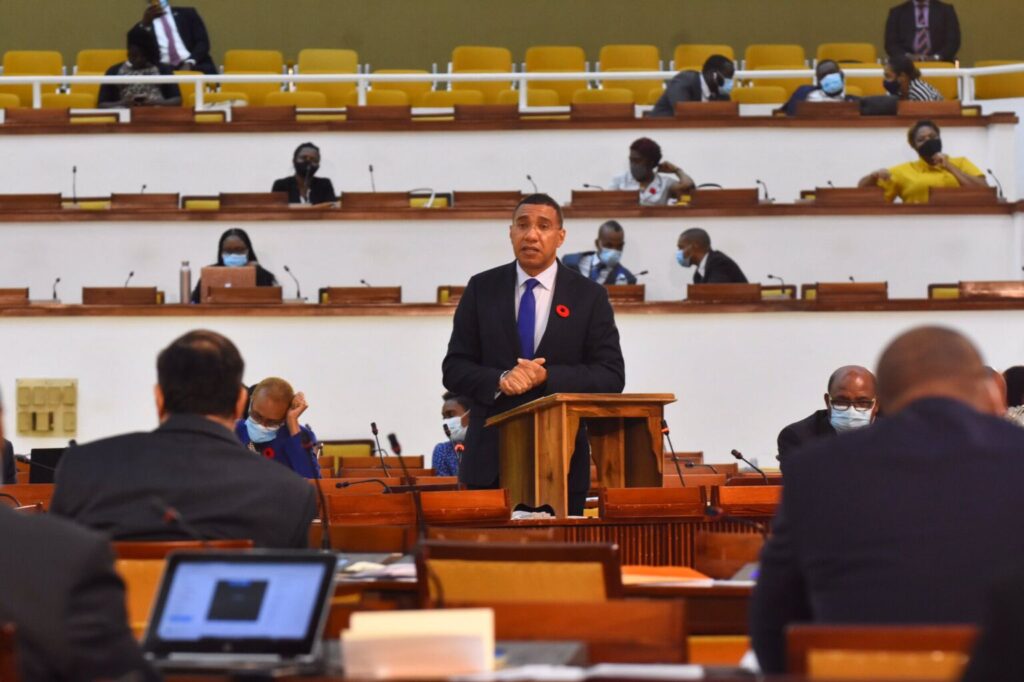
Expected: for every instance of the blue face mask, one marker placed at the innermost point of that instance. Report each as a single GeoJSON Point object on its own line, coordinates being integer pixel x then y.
{"type": "Point", "coordinates": [258, 433]}
{"type": "Point", "coordinates": [610, 257]}
{"type": "Point", "coordinates": [832, 84]}
{"type": "Point", "coordinates": [726, 87]}
{"type": "Point", "coordinates": [683, 259]}
{"type": "Point", "coordinates": [235, 260]}
{"type": "Point", "coordinates": [849, 420]}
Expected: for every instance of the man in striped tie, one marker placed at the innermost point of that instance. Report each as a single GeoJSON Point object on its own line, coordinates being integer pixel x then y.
{"type": "Point", "coordinates": [181, 34]}
{"type": "Point", "coordinates": [924, 30]}
{"type": "Point", "coordinates": [527, 329]}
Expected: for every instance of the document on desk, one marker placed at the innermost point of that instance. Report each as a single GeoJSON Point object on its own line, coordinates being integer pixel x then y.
{"type": "Point", "coordinates": [664, 575]}
{"type": "Point", "coordinates": [631, 671]}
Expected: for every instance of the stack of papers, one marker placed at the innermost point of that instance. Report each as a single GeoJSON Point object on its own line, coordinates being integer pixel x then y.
{"type": "Point", "coordinates": [664, 575]}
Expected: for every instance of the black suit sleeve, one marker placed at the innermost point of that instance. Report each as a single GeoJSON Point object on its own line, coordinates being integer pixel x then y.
{"type": "Point", "coordinates": [96, 624]}
{"type": "Point", "coordinates": [996, 656]}
{"type": "Point", "coordinates": [300, 538]}
{"type": "Point", "coordinates": [603, 369]}
{"type": "Point", "coordinates": [323, 191]}
{"type": "Point", "coordinates": [951, 39]}
{"type": "Point", "coordinates": [10, 469]}
{"type": "Point", "coordinates": [461, 369]}
{"type": "Point", "coordinates": [788, 441]}
{"type": "Point", "coordinates": [894, 46]}
{"type": "Point", "coordinates": [200, 47]}
{"type": "Point", "coordinates": [280, 185]}
{"type": "Point", "coordinates": [780, 597]}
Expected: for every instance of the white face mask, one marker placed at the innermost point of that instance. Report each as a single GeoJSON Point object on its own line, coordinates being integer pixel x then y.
{"type": "Point", "coordinates": [849, 419]}
{"type": "Point", "coordinates": [455, 428]}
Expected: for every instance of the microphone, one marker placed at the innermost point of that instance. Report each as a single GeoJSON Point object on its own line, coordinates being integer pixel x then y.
{"type": "Point", "coordinates": [767, 197]}
{"type": "Point", "coordinates": [17, 502]}
{"type": "Point", "coordinates": [675, 460]}
{"type": "Point", "coordinates": [74, 184]}
{"type": "Point", "coordinates": [55, 283]}
{"type": "Point", "coordinates": [782, 282]}
{"type": "Point", "coordinates": [314, 450]}
{"type": "Point", "coordinates": [1002, 195]}
{"type": "Point", "coordinates": [718, 514]}
{"type": "Point", "coordinates": [641, 273]}
{"type": "Point", "coordinates": [298, 290]}
{"type": "Point", "coordinates": [143, 190]}
{"type": "Point", "coordinates": [530, 178]}
{"type": "Point", "coordinates": [691, 465]}
{"type": "Point", "coordinates": [373, 185]}
{"type": "Point", "coordinates": [172, 517]}
{"type": "Point", "coordinates": [367, 284]}
{"type": "Point", "coordinates": [308, 192]}
{"type": "Point", "coordinates": [830, 184]}
{"type": "Point", "coordinates": [347, 484]}
{"type": "Point", "coordinates": [130, 275]}
{"type": "Point", "coordinates": [421, 519]}
{"type": "Point", "coordinates": [739, 455]}
{"type": "Point", "coordinates": [28, 460]}
{"type": "Point", "coordinates": [851, 279]}
{"type": "Point", "coordinates": [380, 451]}
{"type": "Point", "coordinates": [586, 186]}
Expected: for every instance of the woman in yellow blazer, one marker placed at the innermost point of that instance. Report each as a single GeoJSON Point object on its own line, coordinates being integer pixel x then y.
{"type": "Point", "coordinates": [913, 181]}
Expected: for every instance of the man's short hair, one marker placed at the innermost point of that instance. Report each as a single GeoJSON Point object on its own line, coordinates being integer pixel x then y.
{"type": "Point", "coordinates": [925, 356]}
{"type": "Point", "coordinates": [200, 373]}
{"type": "Point", "coordinates": [698, 236]}
{"type": "Point", "coordinates": [902, 65]}
{"type": "Point", "coordinates": [612, 225]}
{"type": "Point", "coordinates": [460, 399]}
{"type": "Point", "coordinates": [276, 389]}
{"type": "Point", "coordinates": [647, 148]}
{"type": "Point", "coordinates": [825, 67]}
{"type": "Point", "coordinates": [720, 64]}
{"type": "Point", "coordinates": [541, 199]}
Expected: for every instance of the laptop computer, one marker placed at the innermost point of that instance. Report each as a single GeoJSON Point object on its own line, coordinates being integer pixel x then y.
{"type": "Point", "coordinates": [220, 276]}
{"type": "Point", "coordinates": [255, 612]}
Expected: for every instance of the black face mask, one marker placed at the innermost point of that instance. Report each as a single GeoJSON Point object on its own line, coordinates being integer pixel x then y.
{"type": "Point", "coordinates": [892, 87]}
{"type": "Point", "coordinates": [930, 148]}
{"type": "Point", "coordinates": [306, 169]}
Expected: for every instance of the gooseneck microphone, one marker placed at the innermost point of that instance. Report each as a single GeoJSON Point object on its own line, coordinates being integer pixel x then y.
{"type": "Point", "coordinates": [130, 275]}
{"type": "Point", "coordinates": [718, 514]}
{"type": "Point", "coordinates": [767, 197]}
{"type": "Point", "coordinates": [421, 519]}
{"type": "Point", "coordinates": [298, 289]}
{"type": "Point", "coordinates": [641, 273]}
{"type": "Point", "coordinates": [74, 184]}
{"type": "Point", "coordinates": [999, 185]}
{"type": "Point", "coordinates": [308, 191]}
{"type": "Point", "coordinates": [173, 518]}
{"type": "Point", "coordinates": [143, 190]}
{"type": "Point", "coordinates": [373, 184]}
{"type": "Point", "coordinates": [530, 178]}
{"type": "Point", "coordinates": [829, 182]}
{"type": "Point", "coordinates": [739, 455]}
{"type": "Point", "coordinates": [380, 451]}
{"type": "Point", "coordinates": [55, 283]}
{"type": "Point", "coordinates": [366, 284]}
{"type": "Point", "coordinates": [665, 431]}
{"type": "Point", "coordinates": [589, 186]}
{"type": "Point", "coordinates": [852, 279]}
{"type": "Point", "coordinates": [691, 465]}
{"type": "Point", "coordinates": [349, 484]}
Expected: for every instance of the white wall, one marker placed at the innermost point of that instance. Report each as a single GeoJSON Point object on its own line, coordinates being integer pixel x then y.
{"type": "Point", "coordinates": [739, 377]}
{"type": "Point", "coordinates": [787, 159]}
{"type": "Point", "coordinates": [909, 251]}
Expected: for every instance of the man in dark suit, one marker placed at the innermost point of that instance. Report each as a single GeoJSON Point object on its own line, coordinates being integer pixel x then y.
{"type": "Point", "coordinates": [525, 330]}
{"type": "Point", "coordinates": [65, 601]}
{"type": "Point", "coordinates": [9, 472]}
{"type": "Point", "coordinates": [192, 463]}
{"type": "Point", "coordinates": [850, 403]}
{"type": "Point", "coordinates": [996, 656]}
{"type": "Point", "coordinates": [184, 42]}
{"type": "Point", "coordinates": [604, 265]}
{"type": "Point", "coordinates": [924, 30]}
{"type": "Point", "coordinates": [877, 527]}
{"type": "Point", "coordinates": [713, 267]}
{"type": "Point", "coordinates": [712, 83]}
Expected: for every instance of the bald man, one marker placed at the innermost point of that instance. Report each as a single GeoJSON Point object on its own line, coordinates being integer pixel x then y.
{"type": "Point", "coordinates": [272, 428]}
{"type": "Point", "coordinates": [904, 522]}
{"type": "Point", "coordinates": [850, 404]}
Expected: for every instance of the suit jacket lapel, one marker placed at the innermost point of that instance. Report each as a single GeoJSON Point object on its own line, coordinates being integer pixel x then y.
{"type": "Point", "coordinates": [507, 308]}
{"type": "Point", "coordinates": [565, 295]}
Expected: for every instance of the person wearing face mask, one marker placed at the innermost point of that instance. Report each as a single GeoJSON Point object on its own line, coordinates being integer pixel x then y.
{"type": "Point", "coordinates": [713, 267]}
{"type": "Point", "coordinates": [713, 83]}
{"type": "Point", "coordinates": [303, 187]}
{"type": "Point", "coordinates": [850, 404]}
{"type": "Point", "coordinates": [447, 454]}
{"type": "Point", "coordinates": [235, 250]}
{"type": "Point", "coordinates": [655, 180]}
{"type": "Point", "coordinates": [143, 60]}
{"type": "Point", "coordinates": [913, 181]}
{"type": "Point", "coordinates": [603, 265]}
{"type": "Point", "coordinates": [902, 79]}
{"type": "Point", "coordinates": [831, 87]}
{"type": "Point", "coordinates": [272, 429]}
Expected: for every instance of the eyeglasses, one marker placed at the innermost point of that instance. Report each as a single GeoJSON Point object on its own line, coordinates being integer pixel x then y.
{"type": "Point", "coordinates": [840, 405]}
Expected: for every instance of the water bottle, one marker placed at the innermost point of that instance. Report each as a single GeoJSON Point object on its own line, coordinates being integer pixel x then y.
{"type": "Point", "coordinates": [185, 282]}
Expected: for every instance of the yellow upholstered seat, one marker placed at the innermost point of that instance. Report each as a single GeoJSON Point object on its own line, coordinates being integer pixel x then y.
{"type": "Point", "coordinates": [254, 62]}
{"type": "Point", "coordinates": [759, 94]}
{"type": "Point", "coordinates": [555, 58]}
{"type": "Point", "coordinates": [869, 85]}
{"type": "Point", "coordinates": [141, 580]}
{"type": "Point", "coordinates": [305, 100]}
{"type": "Point", "coordinates": [380, 98]}
{"type": "Point", "coordinates": [848, 52]}
{"type": "Point", "coordinates": [946, 85]}
{"type": "Point", "coordinates": [30, 63]}
{"type": "Point", "coordinates": [762, 55]}
{"type": "Point", "coordinates": [535, 97]}
{"type": "Point", "coordinates": [482, 59]}
{"type": "Point", "coordinates": [449, 98]}
{"type": "Point", "coordinates": [313, 61]}
{"type": "Point", "coordinates": [687, 57]}
{"type": "Point", "coordinates": [604, 96]}
{"type": "Point", "coordinates": [789, 85]}
{"type": "Point", "coordinates": [77, 100]}
{"type": "Point", "coordinates": [95, 62]}
{"type": "Point", "coordinates": [9, 101]}
{"type": "Point", "coordinates": [1002, 86]}
{"type": "Point", "coordinates": [617, 58]}
{"type": "Point", "coordinates": [414, 90]}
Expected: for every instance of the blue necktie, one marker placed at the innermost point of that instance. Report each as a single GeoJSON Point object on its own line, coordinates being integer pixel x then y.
{"type": "Point", "coordinates": [527, 321]}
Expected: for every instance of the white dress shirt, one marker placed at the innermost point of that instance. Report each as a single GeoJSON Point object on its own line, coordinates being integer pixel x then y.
{"type": "Point", "coordinates": [163, 40]}
{"type": "Point", "coordinates": [703, 266]}
{"type": "Point", "coordinates": [655, 194]}
{"type": "Point", "coordinates": [542, 294]}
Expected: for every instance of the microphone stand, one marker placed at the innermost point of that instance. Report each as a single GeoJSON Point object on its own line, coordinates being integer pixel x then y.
{"type": "Point", "coordinates": [349, 484]}
{"type": "Point", "coordinates": [691, 465]}
{"type": "Point", "coordinates": [675, 460]}
{"type": "Point", "coordinates": [325, 514]}
{"type": "Point", "coordinates": [380, 450]}
{"type": "Point", "coordinates": [739, 455]}
{"type": "Point", "coordinates": [421, 519]}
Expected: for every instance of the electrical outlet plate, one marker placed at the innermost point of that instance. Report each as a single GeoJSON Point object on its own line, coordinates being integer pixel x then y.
{"type": "Point", "coordinates": [47, 408]}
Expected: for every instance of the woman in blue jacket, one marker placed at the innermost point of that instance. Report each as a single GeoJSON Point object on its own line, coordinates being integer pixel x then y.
{"type": "Point", "coordinates": [272, 429]}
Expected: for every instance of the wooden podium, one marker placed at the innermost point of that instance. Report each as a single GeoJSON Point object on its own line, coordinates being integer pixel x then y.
{"type": "Point", "coordinates": [537, 439]}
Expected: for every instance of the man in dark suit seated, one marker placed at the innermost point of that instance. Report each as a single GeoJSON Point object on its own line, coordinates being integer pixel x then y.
{"type": "Point", "coordinates": [905, 521]}
{"type": "Point", "coordinates": [996, 656]}
{"type": "Point", "coordinates": [850, 403]}
{"type": "Point", "coordinates": [192, 463]}
{"type": "Point", "coordinates": [65, 601]}
{"type": "Point", "coordinates": [181, 35]}
{"type": "Point", "coordinates": [924, 30]}
{"type": "Point", "coordinates": [528, 329]}
{"type": "Point", "coordinates": [713, 267]}
{"type": "Point", "coordinates": [603, 266]}
{"type": "Point", "coordinates": [713, 83]}
{"type": "Point", "coordinates": [831, 87]}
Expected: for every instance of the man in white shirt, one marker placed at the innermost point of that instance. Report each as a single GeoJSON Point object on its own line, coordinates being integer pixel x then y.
{"type": "Point", "coordinates": [181, 35]}
{"type": "Point", "coordinates": [655, 180]}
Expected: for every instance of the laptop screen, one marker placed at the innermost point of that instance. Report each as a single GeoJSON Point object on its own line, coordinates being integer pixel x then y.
{"type": "Point", "coordinates": [258, 602]}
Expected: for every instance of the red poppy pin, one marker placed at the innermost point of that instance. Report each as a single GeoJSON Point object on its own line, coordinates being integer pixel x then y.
{"type": "Point", "coordinates": [562, 311]}
{"type": "Point", "coordinates": [268, 453]}
{"type": "Point", "coordinates": [653, 191]}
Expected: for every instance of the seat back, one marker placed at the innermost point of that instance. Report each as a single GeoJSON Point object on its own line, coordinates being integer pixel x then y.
{"type": "Point", "coordinates": [765, 54]}
{"type": "Point", "coordinates": [70, 100]}
{"type": "Point", "coordinates": [95, 63]}
{"type": "Point", "coordinates": [617, 58]}
{"type": "Point", "coordinates": [306, 99]}
{"type": "Point", "coordinates": [692, 56]}
{"type": "Point", "coordinates": [141, 580]}
{"type": "Point", "coordinates": [848, 52]}
{"type": "Point", "coordinates": [474, 573]}
{"type": "Point", "coordinates": [449, 98]}
{"type": "Point", "coordinates": [254, 62]}
{"type": "Point", "coordinates": [554, 58]}
{"type": "Point", "coordinates": [759, 94]}
{"type": "Point", "coordinates": [414, 90]}
{"type": "Point", "coordinates": [869, 85]}
{"type": "Point", "coordinates": [479, 59]}
{"type": "Point", "coordinates": [9, 101]}
{"type": "Point", "coordinates": [610, 95]}
{"type": "Point", "coordinates": [948, 86]}
{"type": "Point", "coordinates": [824, 652]}
{"type": "Point", "coordinates": [1003, 86]}
{"type": "Point", "coordinates": [31, 63]}
{"type": "Point", "coordinates": [313, 61]}
{"type": "Point", "coordinates": [789, 85]}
